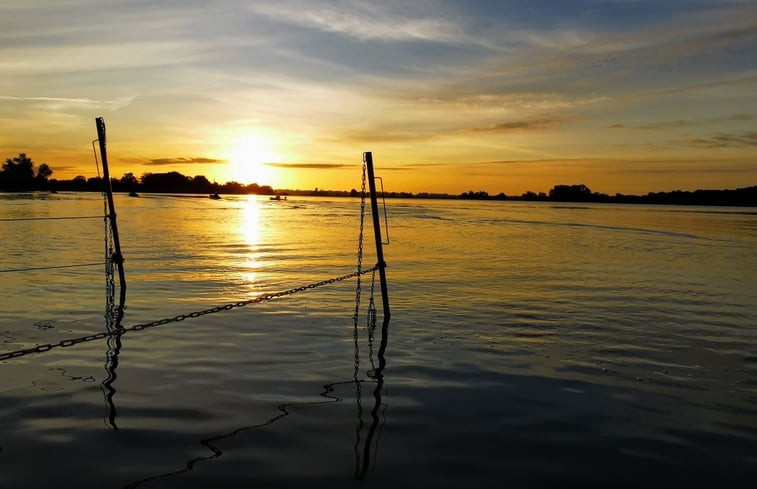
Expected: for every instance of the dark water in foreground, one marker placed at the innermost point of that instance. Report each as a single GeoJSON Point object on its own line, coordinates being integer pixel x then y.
{"type": "Point", "coordinates": [529, 345]}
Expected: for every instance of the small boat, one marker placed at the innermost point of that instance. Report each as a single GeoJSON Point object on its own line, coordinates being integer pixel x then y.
{"type": "Point", "coordinates": [133, 194]}
{"type": "Point", "coordinates": [214, 196]}
{"type": "Point", "coordinates": [278, 197]}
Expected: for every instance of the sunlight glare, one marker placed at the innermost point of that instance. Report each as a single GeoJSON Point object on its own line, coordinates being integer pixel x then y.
{"type": "Point", "coordinates": [247, 157]}
{"type": "Point", "coordinates": [251, 223]}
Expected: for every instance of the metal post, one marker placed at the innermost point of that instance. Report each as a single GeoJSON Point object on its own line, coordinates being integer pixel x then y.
{"type": "Point", "coordinates": [117, 257]}
{"type": "Point", "coordinates": [377, 234]}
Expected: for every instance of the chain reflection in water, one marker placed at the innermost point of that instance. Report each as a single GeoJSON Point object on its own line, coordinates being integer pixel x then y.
{"type": "Point", "coordinates": [362, 459]}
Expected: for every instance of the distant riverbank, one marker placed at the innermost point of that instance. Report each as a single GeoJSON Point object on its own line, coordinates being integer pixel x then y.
{"type": "Point", "coordinates": [741, 197]}
{"type": "Point", "coordinates": [19, 175]}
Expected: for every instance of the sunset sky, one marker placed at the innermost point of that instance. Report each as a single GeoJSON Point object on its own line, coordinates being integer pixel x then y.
{"type": "Point", "coordinates": [506, 96]}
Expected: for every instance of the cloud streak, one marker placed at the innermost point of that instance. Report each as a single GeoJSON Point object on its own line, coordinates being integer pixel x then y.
{"type": "Point", "coordinates": [309, 166]}
{"type": "Point", "coordinates": [183, 161]}
{"type": "Point", "coordinates": [362, 20]}
{"type": "Point", "coordinates": [530, 125]}
{"type": "Point", "coordinates": [653, 125]}
{"type": "Point", "coordinates": [82, 101]}
{"type": "Point", "coordinates": [747, 139]}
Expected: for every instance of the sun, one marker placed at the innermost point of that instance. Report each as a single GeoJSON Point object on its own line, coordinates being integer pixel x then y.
{"type": "Point", "coordinates": [247, 157]}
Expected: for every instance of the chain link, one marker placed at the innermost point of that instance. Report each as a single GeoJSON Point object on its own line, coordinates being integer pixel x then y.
{"type": "Point", "coordinates": [181, 317]}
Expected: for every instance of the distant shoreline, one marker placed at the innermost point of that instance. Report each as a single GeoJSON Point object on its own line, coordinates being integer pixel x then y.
{"type": "Point", "coordinates": [741, 197]}
{"type": "Point", "coordinates": [18, 175]}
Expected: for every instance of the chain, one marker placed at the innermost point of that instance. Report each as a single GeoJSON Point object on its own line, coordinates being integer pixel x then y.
{"type": "Point", "coordinates": [360, 241]}
{"type": "Point", "coordinates": [371, 319]}
{"type": "Point", "coordinates": [110, 282]}
{"type": "Point", "coordinates": [359, 270]}
{"type": "Point", "coordinates": [180, 317]}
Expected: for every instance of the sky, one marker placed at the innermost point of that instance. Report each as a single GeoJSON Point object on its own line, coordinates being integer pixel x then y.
{"type": "Point", "coordinates": [624, 96]}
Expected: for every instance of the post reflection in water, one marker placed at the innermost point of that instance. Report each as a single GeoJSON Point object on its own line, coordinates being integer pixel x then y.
{"type": "Point", "coordinates": [113, 316]}
{"type": "Point", "coordinates": [361, 467]}
{"type": "Point", "coordinates": [114, 312]}
{"type": "Point", "coordinates": [111, 365]}
{"type": "Point", "coordinates": [362, 453]}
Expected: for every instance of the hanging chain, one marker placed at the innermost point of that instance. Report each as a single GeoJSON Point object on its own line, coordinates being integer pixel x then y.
{"type": "Point", "coordinates": [371, 319]}
{"type": "Point", "coordinates": [110, 271]}
{"type": "Point", "coordinates": [359, 271]}
{"type": "Point", "coordinates": [360, 241]}
{"type": "Point", "coordinates": [112, 309]}
{"type": "Point", "coordinates": [355, 338]}
{"type": "Point", "coordinates": [180, 317]}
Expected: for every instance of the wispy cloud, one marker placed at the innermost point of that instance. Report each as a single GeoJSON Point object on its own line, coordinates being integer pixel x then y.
{"type": "Point", "coordinates": [382, 134]}
{"type": "Point", "coordinates": [724, 141]}
{"type": "Point", "coordinates": [311, 166]}
{"type": "Point", "coordinates": [183, 161]}
{"type": "Point", "coordinates": [652, 125]}
{"type": "Point", "coordinates": [83, 101]}
{"type": "Point", "coordinates": [528, 125]}
{"type": "Point", "coordinates": [93, 57]}
{"type": "Point", "coordinates": [64, 168]}
{"type": "Point", "coordinates": [363, 20]}
{"type": "Point", "coordinates": [507, 100]}
{"type": "Point", "coordinates": [747, 81]}
{"type": "Point", "coordinates": [629, 55]}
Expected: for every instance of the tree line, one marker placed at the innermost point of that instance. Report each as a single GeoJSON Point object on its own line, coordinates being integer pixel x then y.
{"type": "Point", "coordinates": [746, 196]}
{"type": "Point", "coordinates": [19, 174]}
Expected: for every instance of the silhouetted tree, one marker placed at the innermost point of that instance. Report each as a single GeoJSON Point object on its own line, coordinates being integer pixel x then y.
{"type": "Point", "coordinates": [200, 184]}
{"type": "Point", "coordinates": [95, 183]}
{"type": "Point", "coordinates": [474, 195]}
{"type": "Point", "coordinates": [44, 171]}
{"type": "Point", "coordinates": [79, 182]}
{"type": "Point", "coordinates": [129, 180]}
{"type": "Point", "coordinates": [232, 188]}
{"type": "Point", "coordinates": [570, 193]}
{"type": "Point", "coordinates": [17, 173]}
{"type": "Point", "coordinates": [165, 182]}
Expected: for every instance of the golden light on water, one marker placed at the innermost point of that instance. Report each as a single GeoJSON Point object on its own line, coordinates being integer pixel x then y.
{"type": "Point", "coordinates": [250, 234]}
{"type": "Point", "coordinates": [251, 222]}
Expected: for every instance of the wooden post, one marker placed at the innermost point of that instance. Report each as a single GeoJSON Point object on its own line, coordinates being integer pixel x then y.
{"type": "Point", "coordinates": [377, 234]}
{"type": "Point", "coordinates": [117, 257]}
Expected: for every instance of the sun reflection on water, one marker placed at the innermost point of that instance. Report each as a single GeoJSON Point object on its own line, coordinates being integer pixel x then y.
{"type": "Point", "coordinates": [250, 232]}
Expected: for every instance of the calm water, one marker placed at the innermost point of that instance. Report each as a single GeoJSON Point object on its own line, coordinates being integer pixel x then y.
{"type": "Point", "coordinates": [530, 345]}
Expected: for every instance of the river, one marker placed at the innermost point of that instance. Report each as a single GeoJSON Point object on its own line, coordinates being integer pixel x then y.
{"type": "Point", "coordinates": [530, 344]}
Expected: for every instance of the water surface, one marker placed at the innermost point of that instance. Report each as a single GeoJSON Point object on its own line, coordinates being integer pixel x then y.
{"type": "Point", "coordinates": [530, 344]}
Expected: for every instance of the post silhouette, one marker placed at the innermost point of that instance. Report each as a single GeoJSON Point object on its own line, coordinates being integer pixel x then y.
{"type": "Point", "coordinates": [377, 234]}
{"type": "Point", "coordinates": [117, 257]}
